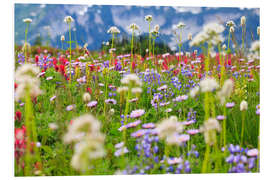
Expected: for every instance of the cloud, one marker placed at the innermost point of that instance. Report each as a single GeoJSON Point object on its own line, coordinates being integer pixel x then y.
{"type": "Point", "coordinates": [193, 10]}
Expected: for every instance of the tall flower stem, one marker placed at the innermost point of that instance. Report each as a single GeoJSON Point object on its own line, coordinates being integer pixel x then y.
{"type": "Point", "coordinates": [243, 38]}
{"type": "Point", "coordinates": [180, 45]}
{"type": "Point", "coordinates": [69, 53]}
{"type": "Point", "coordinates": [25, 42]}
{"type": "Point", "coordinates": [206, 159]}
{"type": "Point", "coordinates": [111, 53]}
{"type": "Point", "coordinates": [243, 126]}
{"type": "Point", "coordinates": [126, 111]}
{"type": "Point", "coordinates": [132, 58]}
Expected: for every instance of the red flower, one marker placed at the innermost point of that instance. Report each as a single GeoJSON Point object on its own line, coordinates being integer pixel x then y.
{"type": "Point", "coordinates": [15, 85]}
{"type": "Point", "coordinates": [89, 90]}
{"type": "Point", "coordinates": [18, 116]}
{"type": "Point", "coordinates": [36, 58]}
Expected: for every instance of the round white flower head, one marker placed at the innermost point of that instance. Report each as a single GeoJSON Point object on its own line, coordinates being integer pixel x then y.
{"type": "Point", "coordinates": [122, 89]}
{"type": "Point", "coordinates": [131, 78]}
{"type": "Point", "coordinates": [226, 90]}
{"type": "Point", "coordinates": [243, 20]}
{"type": "Point", "coordinates": [224, 46]}
{"type": "Point", "coordinates": [232, 29]}
{"type": "Point", "coordinates": [113, 30]}
{"type": "Point", "coordinates": [85, 46]}
{"type": "Point", "coordinates": [134, 26]}
{"type": "Point", "coordinates": [62, 38]}
{"type": "Point", "coordinates": [53, 126]}
{"type": "Point", "coordinates": [208, 84]}
{"type": "Point", "coordinates": [156, 28]}
{"type": "Point", "coordinates": [27, 20]}
{"type": "Point", "coordinates": [209, 129]}
{"type": "Point", "coordinates": [26, 77]}
{"type": "Point", "coordinates": [255, 46]}
{"type": "Point", "coordinates": [194, 91]}
{"type": "Point", "coordinates": [86, 97]}
{"type": "Point", "coordinates": [85, 151]}
{"type": "Point", "coordinates": [68, 19]}
{"type": "Point", "coordinates": [85, 125]}
{"type": "Point", "coordinates": [189, 36]}
{"type": "Point", "coordinates": [148, 18]}
{"type": "Point", "coordinates": [258, 30]}
{"type": "Point", "coordinates": [180, 25]}
{"type": "Point", "coordinates": [230, 24]}
{"type": "Point", "coordinates": [169, 127]}
{"type": "Point", "coordinates": [136, 90]}
{"type": "Point", "coordinates": [243, 105]}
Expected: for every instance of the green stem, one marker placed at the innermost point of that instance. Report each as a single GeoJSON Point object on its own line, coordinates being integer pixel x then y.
{"type": "Point", "coordinates": [206, 159]}
{"type": "Point", "coordinates": [243, 126]}
{"type": "Point", "coordinates": [69, 53]}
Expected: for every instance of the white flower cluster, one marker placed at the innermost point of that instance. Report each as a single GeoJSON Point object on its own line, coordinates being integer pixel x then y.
{"type": "Point", "coordinates": [155, 31]}
{"type": "Point", "coordinates": [113, 30]}
{"type": "Point", "coordinates": [209, 129]}
{"type": "Point", "coordinates": [134, 26]}
{"type": "Point", "coordinates": [68, 19]}
{"type": "Point", "coordinates": [27, 20]}
{"type": "Point", "coordinates": [243, 105]}
{"type": "Point", "coordinates": [131, 78]}
{"type": "Point", "coordinates": [180, 25]}
{"type": "Point", "coordinates": [26, 78]}
{"type": "Point", "coordinates": [211, 33]}
{"type": "Point", "coordinates": [169, 128]}
{"type": "Point", "coordinates": [225, 91]}
{"type": "Point", "coordinates": [148, 18]}
{"type": "Point", "coordinates": [85, 132]}
{"type": "Point", "coordinates": [208, 84]}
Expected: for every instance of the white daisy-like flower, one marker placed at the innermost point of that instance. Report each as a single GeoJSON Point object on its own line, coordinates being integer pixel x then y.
{"type": "Point", "coordinates": [134, 26]}
{"type": "Point", "coordinates": [243, 105]}
{"type": "Point", "coordinates": [27, 20]}
{"type": "Point", "coordinates": [169, 127]}
{"type": "Point", "coordinates": [68, 19]}
{"type": "Point", "coordinates": [243, 20]}
{"type": "Point", "coordinates": [208, 84]}
{"type": "Point", "coordinates": [113, 30]}
{"type": "Point", "coordinates": [180, 25]}
{"type": "Point", "coordinates": [148, 18]}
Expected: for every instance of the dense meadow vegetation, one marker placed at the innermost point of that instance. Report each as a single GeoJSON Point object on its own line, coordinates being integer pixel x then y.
{"type": "Point", "coordinates": [139, 111]}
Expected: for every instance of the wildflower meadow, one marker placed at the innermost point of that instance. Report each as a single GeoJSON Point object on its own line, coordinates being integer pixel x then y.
{"type": "Point", "coordinates": [136, 106]}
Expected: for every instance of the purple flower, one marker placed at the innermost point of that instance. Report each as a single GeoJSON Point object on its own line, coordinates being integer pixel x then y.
{"type": "Point", "coordinates": [92, 104]}
{"type": "Point", "coordinates": [137, 113]}
{"type": "Point", "coordinates": [230, 104]}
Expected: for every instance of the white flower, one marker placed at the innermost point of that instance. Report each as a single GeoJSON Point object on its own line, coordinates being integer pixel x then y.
{"type": "Point", "coordinates": [180, 25]}
{"type": "Point", "coordinates": [255, 46]}
{"type": "Point", "coordinates": [85, 125]}
{"type": "Point", "coordinates": [53, 126]}
{"type": "Point", "coordinates": [212, 33]}
{"type": "Point", "coordinates": [68, 19]}
{"type": "Point", "coordinates": [224, 47]}
{"type": "Point", "coordinates": [62, 38]}
{"type": "Point", "coordinates": [231, 29]}
{"type": "Point", "coordinates": [230, 24]}
{"type": "Point", "coordinates": [111, 111]}
{"type": "Point", "coordinates": [85, 151]}
{"type": "Point", "coordinates": [169, 127]}
{"type": "Point", "coordinates": [243, 105]}
{"type": "Point", "coordinates": [243, 21]}
{"type": "Point", "coordinates": [194, 91]}
{"type": "Point", "coordinates": [136, 90]}
{"type": "Point", "coordinates": [156, 28]}
{"type": "Point", "coordinates": [209, 129]}
{"type": "Point", "coordinates": [27, 20]}
{"type": "Point", "coordinates": [26, 78]}
{"type": "Point", "coordinates": [113, 30]}
{"type": "Point", "coordinates": [131, 78]}
{"type": "Point", "coordinates": [208, 84]}
{"type": "Point", "coordinates": [258, 30]}
{"type": "Point", "coordinates": [148, 18]}
{"type": "Point", "coordinates": [86, 97]}
{"type": "Point", "coordinates": [122, 89]}
{"type": "Point", "coordinates": [226, 90]}
{"type": "Point", "coordinates": [134, 26]}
